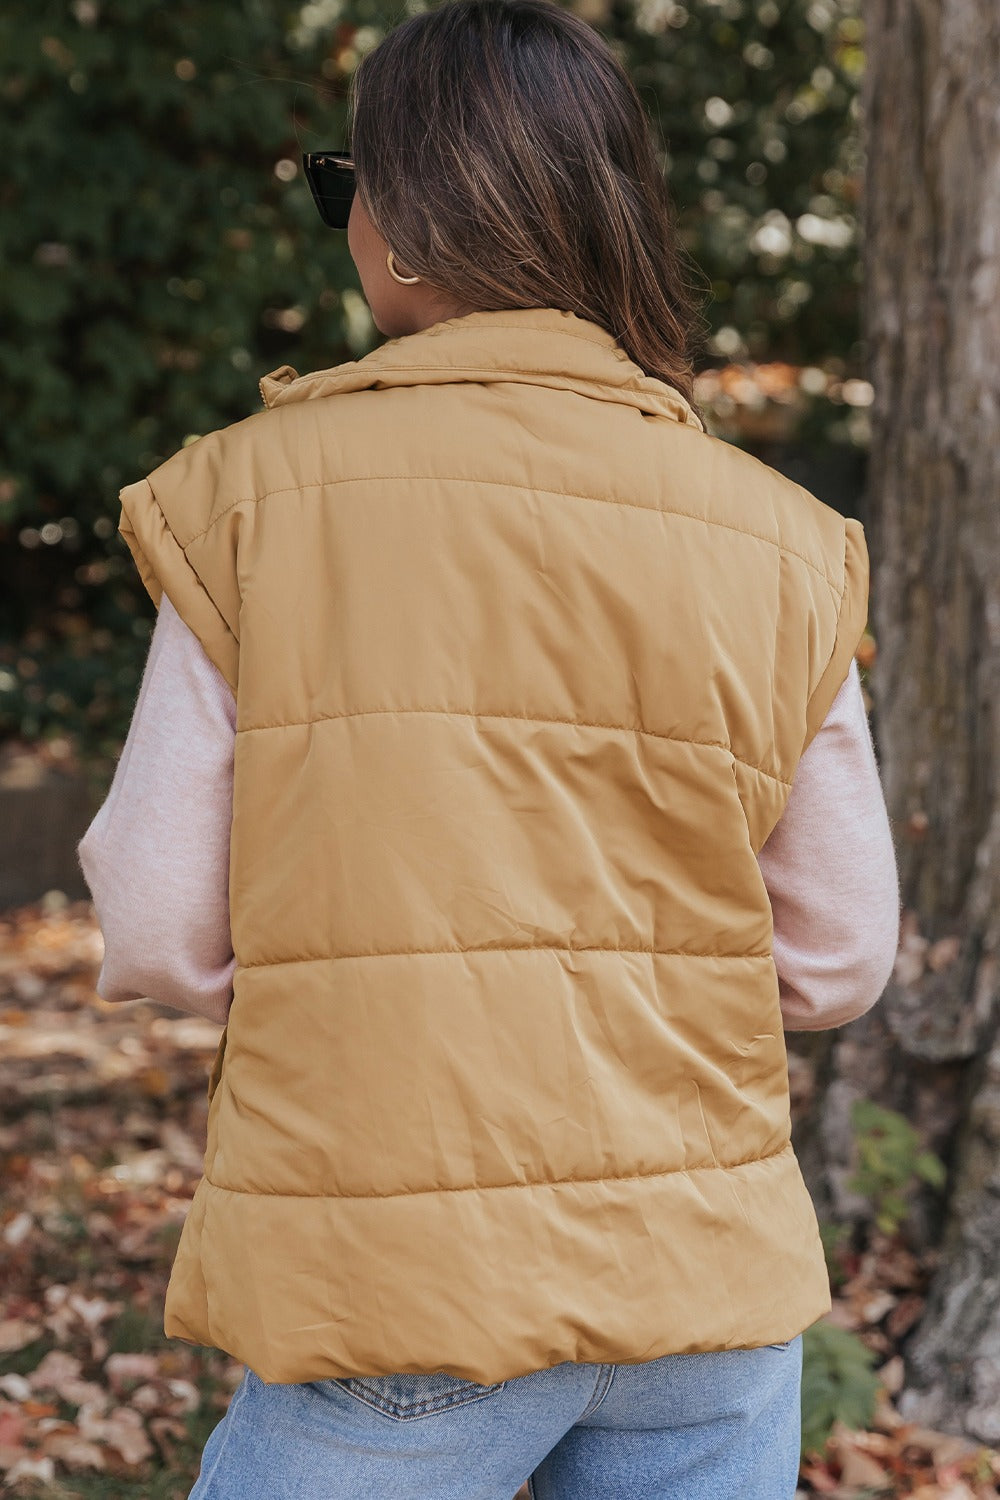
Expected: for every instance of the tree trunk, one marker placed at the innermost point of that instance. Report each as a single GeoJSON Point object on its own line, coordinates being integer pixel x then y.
{"type": "Point", "coordinates": [932, 1046]}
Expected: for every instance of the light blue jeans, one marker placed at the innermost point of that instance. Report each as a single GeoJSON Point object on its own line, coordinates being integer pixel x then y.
{"type": "Point", "coordinates": [688, 1426]}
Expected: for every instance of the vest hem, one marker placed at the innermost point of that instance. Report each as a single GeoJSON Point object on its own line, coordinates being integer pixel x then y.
{"type": "Point", "coordinates": [487, 1288]}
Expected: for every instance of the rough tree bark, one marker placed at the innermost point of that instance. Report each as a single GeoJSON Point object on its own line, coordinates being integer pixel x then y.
{"type": "Point", "coordinates": [932, 1046]}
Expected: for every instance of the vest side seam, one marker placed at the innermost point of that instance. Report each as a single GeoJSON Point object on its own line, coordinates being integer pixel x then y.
{"type": "Point", "coordinates": [468, 713]}
{"type": "Point", "coordinates": [493, 1187]}
{"type": "Point", "coordinates": [509, 484]}
{"type": "Point", "coordinates": [326, 958]}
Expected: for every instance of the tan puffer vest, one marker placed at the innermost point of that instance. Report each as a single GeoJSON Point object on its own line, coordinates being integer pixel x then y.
{"type": "Point", "coordinates": [525, 662]}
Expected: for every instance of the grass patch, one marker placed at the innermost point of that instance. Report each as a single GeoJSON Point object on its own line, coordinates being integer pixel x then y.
{"type": "Point", "coordinates": [136, 1330]}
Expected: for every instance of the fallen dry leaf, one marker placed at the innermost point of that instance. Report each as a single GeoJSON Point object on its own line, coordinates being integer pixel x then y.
{"type": "Point", "coordinates": [17, 1333]}
{"type": "Point", "coordinates": [31, 1468]}
{"type": "Point", "coordinates": [122, 1430]}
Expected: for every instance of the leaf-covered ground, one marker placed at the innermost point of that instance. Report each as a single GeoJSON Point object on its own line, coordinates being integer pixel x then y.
{"type": "Point", "coordinates": [102, 1120]}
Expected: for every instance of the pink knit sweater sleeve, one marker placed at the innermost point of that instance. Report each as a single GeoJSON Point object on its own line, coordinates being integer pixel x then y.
{"type": "Point", "coordinates": [156, 856]}
{"type": "Point", "coordinates": [830, 871]}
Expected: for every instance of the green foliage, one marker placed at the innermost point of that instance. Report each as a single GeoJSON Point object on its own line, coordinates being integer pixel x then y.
{"type": "Point", "coordinates": [136, 1330]}
{"type": "Point", "coordinates": [891, 1162]}
{"type": "Point", "coordinates": [23, 1361]}
{"type": "Point", "coordinates": [159, 252]}
{"type": "Point", "coordinates": [758, 103]}
{"type": "Point", "coordinates": [838, 1383]}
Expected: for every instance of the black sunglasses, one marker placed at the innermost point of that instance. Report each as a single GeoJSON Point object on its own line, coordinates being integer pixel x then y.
{"type": "Point", "coordinates": [330, 175]}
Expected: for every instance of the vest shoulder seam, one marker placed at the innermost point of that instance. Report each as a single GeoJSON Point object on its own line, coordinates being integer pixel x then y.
{"type": "Point", "coordinates": [466, 713]}
{"type": "Point", "coordinates": [326, 958]}
{"type": "Point", "coordinates": [494, 1187]}
{"type": "Point", "coordinates": [315, 484]}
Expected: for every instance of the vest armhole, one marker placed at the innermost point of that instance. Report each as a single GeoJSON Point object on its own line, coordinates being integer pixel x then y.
{"type": "Point", "coordinates": [852, 618]}
{"type": "Point", "coordinates": [164, 567]}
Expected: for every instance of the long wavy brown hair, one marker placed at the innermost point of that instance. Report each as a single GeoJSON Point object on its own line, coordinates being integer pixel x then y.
{"type": "Point", "coordinates": [502, 151]}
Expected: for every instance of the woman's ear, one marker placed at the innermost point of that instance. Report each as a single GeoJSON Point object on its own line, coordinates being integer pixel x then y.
{"type": "Point", "coordinates": [396, 310]}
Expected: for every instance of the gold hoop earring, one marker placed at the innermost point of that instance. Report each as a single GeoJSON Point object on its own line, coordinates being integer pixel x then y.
{"type": "Point", "coordinates": [403, 280]}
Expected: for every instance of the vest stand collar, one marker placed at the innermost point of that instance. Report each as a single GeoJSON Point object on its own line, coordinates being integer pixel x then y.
{"type": "Point", "coordinates": [532, 346]}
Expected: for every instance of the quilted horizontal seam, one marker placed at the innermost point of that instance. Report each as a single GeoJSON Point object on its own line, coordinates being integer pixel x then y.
{"type": "Point", "coordinates": [494, 1187]}
{"type": "Point", "coordinates": [467, 713]}
{"type": "Point", "coordinates": [327, 958]}
{"type": "Point", "coordinates": [507, 484]}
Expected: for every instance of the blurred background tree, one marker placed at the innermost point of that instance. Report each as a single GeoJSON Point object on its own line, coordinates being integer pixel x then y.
{"type": "Point", "coordinates": [931, 1048]}
{"type": "Point", "coordinates": [159, 253]}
